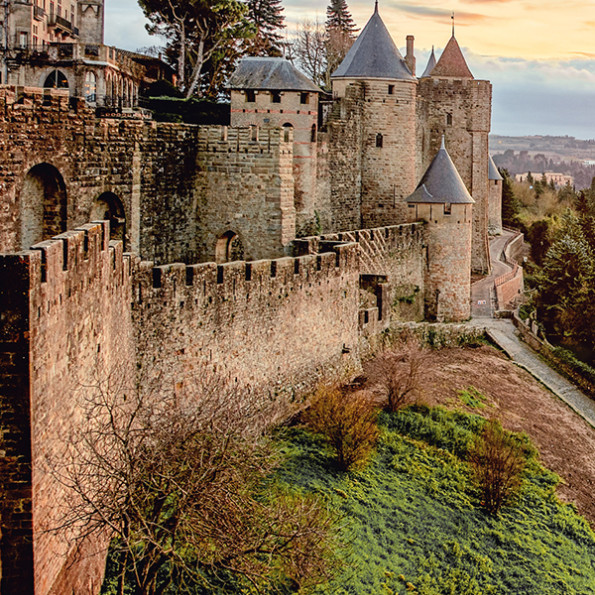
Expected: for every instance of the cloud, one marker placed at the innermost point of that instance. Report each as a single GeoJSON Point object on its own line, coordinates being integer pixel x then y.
{"type": "Point", "coordinates": [462, 17]}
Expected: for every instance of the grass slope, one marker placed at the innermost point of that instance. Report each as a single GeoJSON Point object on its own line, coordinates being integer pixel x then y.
{"type": "Point", "coordinates": [414, 525]}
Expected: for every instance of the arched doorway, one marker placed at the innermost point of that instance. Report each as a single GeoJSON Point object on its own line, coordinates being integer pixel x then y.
{"type": "Point", "coordinates": [56, 80]}
{"type": "Point", "coordinates": [43, 205]}
{"type": "Point", "coordinates": [109, 206]}
{"type": "Point", "coordinates": [229, 248]}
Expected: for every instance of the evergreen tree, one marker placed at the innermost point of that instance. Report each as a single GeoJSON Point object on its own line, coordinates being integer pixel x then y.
{"type": "Point", "coordinates": [510, 203]}
{"type": "Point", "coordinates": [339, 17]}
{"type": "Point", "coordinates": [267, 16]}
{"type": "Point", "coordinates": [340, 35]}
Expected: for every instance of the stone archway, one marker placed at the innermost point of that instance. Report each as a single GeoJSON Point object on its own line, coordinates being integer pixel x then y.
{"type": "Point", "coordinates": [109, 206]}
{"type": "Point", "coordinates": [43, 205]}
{"type": "Point", "coordinates": [229, 248]}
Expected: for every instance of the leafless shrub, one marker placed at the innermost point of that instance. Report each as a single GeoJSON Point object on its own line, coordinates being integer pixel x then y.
{"type": "Point", "coordinates": [347, 420]}
{"type": "Point", "coordinates": [498, 459]}
{"type": "Point", "coordinates": [398, 372]}
{"type": "Point", "coordinates": [177, 479]}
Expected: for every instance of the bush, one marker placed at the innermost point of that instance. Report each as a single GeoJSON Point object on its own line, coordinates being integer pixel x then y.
{"type": "Point", "coordinates": [498, 459]}
{"type": "Point", "coordinates": [348, 423]}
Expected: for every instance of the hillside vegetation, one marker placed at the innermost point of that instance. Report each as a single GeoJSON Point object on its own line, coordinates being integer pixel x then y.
{"type": "Point", "coordinates": [414, 524]}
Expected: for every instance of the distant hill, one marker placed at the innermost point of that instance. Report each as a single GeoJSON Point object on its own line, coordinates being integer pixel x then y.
{"type": "Point", "coordinates": [537, 154]}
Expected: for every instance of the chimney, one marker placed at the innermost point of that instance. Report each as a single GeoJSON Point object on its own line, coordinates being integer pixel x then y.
{"type": "Point", "coordinates": [410, 57]}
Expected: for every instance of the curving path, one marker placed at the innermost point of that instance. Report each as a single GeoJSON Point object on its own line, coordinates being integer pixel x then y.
{"type": "Point", "coordinates": [483, 295]}
{"type": "Point", "coordinates": [504, 334]}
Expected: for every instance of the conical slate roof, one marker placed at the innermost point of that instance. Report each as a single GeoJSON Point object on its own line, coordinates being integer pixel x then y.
{"type": "Point", "coordinates": [270, 74]}
{"type": "Point", "coordinates": [452, 62]}
{"type": "Point", "coordinates": [374, 55]}
{"type": "Point", "coordinates": [493, 173]}
{"type": "Point", "coordinates": [441, 183]}
{"type": "Point", "coordinates": [430, 66]}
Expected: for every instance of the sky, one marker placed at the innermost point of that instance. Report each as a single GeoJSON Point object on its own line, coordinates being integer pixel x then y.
{"type": "Point", "coordinates": [538, 54]}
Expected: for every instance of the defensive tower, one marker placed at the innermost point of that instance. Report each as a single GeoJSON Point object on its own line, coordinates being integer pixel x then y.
{"type": "Point", "coordinates": [442, 200]}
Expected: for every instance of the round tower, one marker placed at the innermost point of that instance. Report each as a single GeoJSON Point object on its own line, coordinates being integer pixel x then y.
{"type": "Point", "coordinates": [443, 201]}
{"type": "Point", "coordinates": [494, 198]}
{"type": "Point", "coordinates": [389, 120]}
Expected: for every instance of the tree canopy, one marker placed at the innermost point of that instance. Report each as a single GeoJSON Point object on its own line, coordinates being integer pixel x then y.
{"type": "Point", "coordinates": [267, 16]}
{"type": "Point", "coordinates": [203, 36]}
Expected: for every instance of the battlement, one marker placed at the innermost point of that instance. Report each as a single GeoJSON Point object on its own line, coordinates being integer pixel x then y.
{"type": "Point", "coordinates": [391, 237]}
{"type": "Point", "coordinates": [202, 286]}
{"type": "Point", "coordinates": [248, 139]}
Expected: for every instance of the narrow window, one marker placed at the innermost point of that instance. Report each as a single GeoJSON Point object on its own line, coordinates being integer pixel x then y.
{"type": "Point", "coordinates": [391, 89]}
{"type": "Point", "coordinates": [250, 96]}
{"type": "Point", "coordinates": [447, 208]}
{"type": "Point", "coordinates": [313, 134]}
{"type": "Point", "coordinates": [275, 97]}
{"type": "Point", "coordinates": [449, 119]}
{"type": "Point", "coordinates": [379, 140]}
{"type": "Point", "coordinates": [304, 98]}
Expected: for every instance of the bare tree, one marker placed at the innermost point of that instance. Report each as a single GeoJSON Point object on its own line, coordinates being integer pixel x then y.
{"type": "Point", "coordinates": [309, 48]}
{"type": "Point", "coordinates": [398, 372]}
{"type": "Point", "coordinates": [177, 480]}
{"type": "Point", "coordinates": [498, 459]}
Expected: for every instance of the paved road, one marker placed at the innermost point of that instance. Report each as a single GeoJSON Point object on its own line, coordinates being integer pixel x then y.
{"type": "Point", "coordinates": [503, 333]}
{"type": "Point", "coordinates": [483, 297]}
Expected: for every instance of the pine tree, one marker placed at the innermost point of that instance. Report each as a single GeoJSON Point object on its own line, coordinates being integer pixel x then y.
{"type": "Point", "coordinates": [340, 35]}
{"type": "Point", "coordinates": [339, 17]}
{"type": "Point", "coordinates": [267, 16]}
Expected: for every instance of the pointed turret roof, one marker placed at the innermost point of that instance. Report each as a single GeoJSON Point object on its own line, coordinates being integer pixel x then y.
{"type": "Point", "coordinates": [441, 183]}
{"type": "Point", "coordinates": [452, 62]}
{"type": "Point", "coordinates": [374, 55]}
{"type": "Point", "coordinates": [493, 173]}
{"type": "Point", "coordinates": [431, 64]}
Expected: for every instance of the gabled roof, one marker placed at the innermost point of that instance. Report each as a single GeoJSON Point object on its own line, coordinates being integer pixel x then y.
{"type": "Point", "coordinates": [452, 62]}
{"type": "Point", "coordinates": [441, 183]}
{"type": "Point", "coordinates": [431, 64]}
{"type": "Point", "coordinates": [493, 173]}
{"type": "Point", "coordinates": [374, 55]}
{"type": "Point", "coordinates": [270, 74]}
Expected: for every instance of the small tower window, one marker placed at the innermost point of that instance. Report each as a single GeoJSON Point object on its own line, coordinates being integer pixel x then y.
{"type": "Point", "coordinates": [391, 89]}
{"type": "Point", "coordinates": [379, 140]}
{"type": "Point", "coordinates": [304, 98]}
{"type": "Point", "coordinates": [447, 208]}
{"type": "Point", "coordinates": [275, 97]}
{"type": "Point", "coordinates": [250, 96]}
{"type": "Point", "coordinates": [449, 119]}
{"type": "Point", "coordinates": [313, 134]}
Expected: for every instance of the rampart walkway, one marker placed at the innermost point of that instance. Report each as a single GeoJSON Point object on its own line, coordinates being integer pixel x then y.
{"type": "Point", "coordinates": [503, 333]}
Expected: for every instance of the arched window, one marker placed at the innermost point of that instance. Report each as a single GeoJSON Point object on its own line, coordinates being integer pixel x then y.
{"type": "Point", "coordinates": [379, 140]}
{"type": "Point", "coordinates": [56, 80]}
{"type": "Point", "coordinates": [109, 206]}
{"type": "Point", "coordinates": [287, 128]}
{"type": "Point", "coordinates": [449, 119]}
{"type": "Point", "coordinates": [229, 248]}
{"type": "Point", "coordinates": [90, 90]}
{"type": "Point", "coordinates": [42, 205]}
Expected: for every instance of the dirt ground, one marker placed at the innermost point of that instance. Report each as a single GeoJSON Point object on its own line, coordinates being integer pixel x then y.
{"type": "Point", "coordinates": [565, 441]}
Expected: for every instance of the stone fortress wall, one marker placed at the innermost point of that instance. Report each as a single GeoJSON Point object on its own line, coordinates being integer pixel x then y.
{"type": "Point", "coordinates": [249, 296]}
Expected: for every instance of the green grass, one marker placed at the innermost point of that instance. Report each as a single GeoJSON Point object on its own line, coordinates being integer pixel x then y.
{"type": "Point", "coordinates": [412, 523]}
{"type": "Point", "coordinates": [471, 397]}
